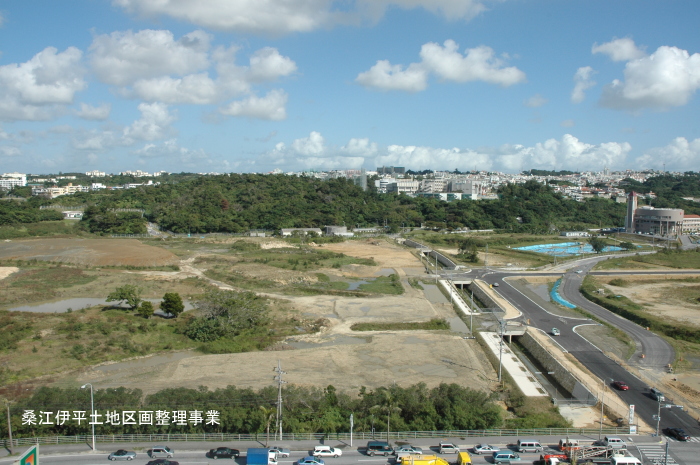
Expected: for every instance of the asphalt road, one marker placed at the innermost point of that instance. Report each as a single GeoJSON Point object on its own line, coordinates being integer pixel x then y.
{"type": "Point", "coordinates": [657, 352]}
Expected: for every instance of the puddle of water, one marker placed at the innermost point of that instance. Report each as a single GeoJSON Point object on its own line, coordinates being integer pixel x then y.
{"type": "Point", "coordinates": [385, 272]}
{"type": "Point", "coordinates": [353, 286]}
{"type": "Point", "coordinates": [62, 306]}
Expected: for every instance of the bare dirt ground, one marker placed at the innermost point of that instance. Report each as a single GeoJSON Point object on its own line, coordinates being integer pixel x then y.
{"type": "Point", "coordinates": [90, 252]}
{"type": "Point", "coordinates": [663, 298]}
{"type": "Point", "coordinates": [336, 355]}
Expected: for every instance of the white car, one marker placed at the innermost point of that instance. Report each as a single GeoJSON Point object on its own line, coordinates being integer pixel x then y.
{"type": "Point", "coordinates": [280, 451]}
{"type": "Point", "coordinates": [326, 451]}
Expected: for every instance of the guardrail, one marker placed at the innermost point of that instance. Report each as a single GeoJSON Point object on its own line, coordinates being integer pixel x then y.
{"type": "Point", "coordinates": [359, 435]}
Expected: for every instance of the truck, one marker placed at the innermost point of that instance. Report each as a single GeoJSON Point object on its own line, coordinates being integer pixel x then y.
{"type": "Point", "coordinates": [260, 456]}
{"type": "Point", "coordinates": [423, 460]}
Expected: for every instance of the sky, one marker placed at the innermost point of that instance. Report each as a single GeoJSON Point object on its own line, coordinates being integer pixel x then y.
{"type": "Point", "coordinates": [299, 85]}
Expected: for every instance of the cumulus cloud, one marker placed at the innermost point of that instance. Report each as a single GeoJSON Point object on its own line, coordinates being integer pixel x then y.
{"type": "Point", "coordinates": [121, 58]}
{"type": "Point", "coordinates": [9, 151]}
{"type": "Point", "coordinates": [667, 78]}
{"type": "Point", "coordinates": [270, 107]}
{"type": "Point", "coordinates": [619, 50]}
{"type": "Point", "coordinates": [41, 87]}
{"type": "Point", "coordinates": [95, 140]}
{"type": "Point", "coordinates": [171, 150]}
{"type": "Point", "coordinates": [198, 89]}
{"type": "Point", "coordinates": [445, 62]}
{"type": "Point", "coordinates": [313, 152]}
{"type": "Point", "coordinates": [278, 17]}
{"type": "Point", "coordinates": [90, 112]}
{"type": "Point", "coordinates": [582, 82]}
{"type": "Point", "coordinates": [535, 101]}
{"type": "Point", "coordinates": [267, 65]}
{"type": "Point", "coordinates": [385, 76]}
{"type": "Point", "coordinates": [154, 123]}
{"type": "Point", "coordinates": [679, 155]}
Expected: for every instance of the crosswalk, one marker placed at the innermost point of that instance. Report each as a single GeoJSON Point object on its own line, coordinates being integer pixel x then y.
{"type": "Point", "coordinates": [692, 439]}
{"type": "Point", "coordinates": [656, 454]}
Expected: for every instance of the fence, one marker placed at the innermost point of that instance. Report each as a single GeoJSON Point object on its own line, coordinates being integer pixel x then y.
{"type": "Point", "coordinates": [360, 435]}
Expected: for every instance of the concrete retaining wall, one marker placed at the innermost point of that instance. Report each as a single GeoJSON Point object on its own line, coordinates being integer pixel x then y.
{"type": "Point", "coordinates": [577, 390]}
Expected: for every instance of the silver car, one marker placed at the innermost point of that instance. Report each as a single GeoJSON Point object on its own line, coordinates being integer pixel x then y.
{"type": "Point", "coordinates": [280, 451]}
{"type": "Point", "coordinates": [122, 454]}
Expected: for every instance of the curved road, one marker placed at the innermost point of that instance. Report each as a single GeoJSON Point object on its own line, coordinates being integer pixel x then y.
{"type": "Point", "coordinates": [658, 353]}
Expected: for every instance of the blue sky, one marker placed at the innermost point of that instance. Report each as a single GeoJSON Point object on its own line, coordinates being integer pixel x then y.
{"type": "Point", "coordinates": [258, 85]}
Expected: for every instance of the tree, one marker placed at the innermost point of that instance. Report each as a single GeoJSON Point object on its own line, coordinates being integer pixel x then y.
{"type": "Point", "coordinates": [628, 245]}
{"type": "Point", "coordinates": [146, 309]}
{"type": "Point", "coordinates": [268, 413]}
{"type": "Point", "coordinates": [127, 293]}
{"type": "Point", "coordinates": [597, 243]}
{"type": "Point", "coordinates": [172, 304]}
{"type": "Point", "coordinates": [468, 248]}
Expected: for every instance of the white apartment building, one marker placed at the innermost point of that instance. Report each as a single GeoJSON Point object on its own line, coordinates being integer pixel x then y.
{"type": "Point", "coordinates": [10, 180]}
{"type": "Point", "coordinates": [403, 186]}
{"type": "Point", "coordinates": [96, 174]}
{"type": "Point", "coordinates": [433, 185]}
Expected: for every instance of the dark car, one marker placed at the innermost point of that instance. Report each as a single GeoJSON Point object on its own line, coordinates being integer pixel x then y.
{"type": "Point", "coordinates": [677, 433]}
{"type": "Point", "coordinates": [620, 385]}
{"type": "Point", "coordinates": [224, 453]}
{"type": "Point", "coordinates": [163, 462]}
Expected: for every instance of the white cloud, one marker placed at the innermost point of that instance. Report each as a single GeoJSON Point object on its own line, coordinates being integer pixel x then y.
{"type": "Point", "coordinates": [267, 65]}
{"type": "Point", "coordinates": [567, 153]}
{"type": "Point", "coordinates": [89, 112]}
{"type": "Point", "coordinates": [667, 78]}
{"type": "Point", "coordinates": [535, 101]}
{"type": "Point", "coordinates": [249, 16]}
{"type": "Point", "coordinates": [8, 151]}
{"type": "Point", "coordinates": [478, 64]}
{"type": "Point", "coordinates": [679, 155]}
{"type": "Point", "coordinates": [270, 107]}
{"type": "Point", "coordinates": [313, 152]}
{"type": "Point", "coordinates": [385, 76]}
{"type": "Point", "coordinates": [619, 49]}
{"type": "Point", "coordinates": [278, 17]}
{"type": "Point", "coordinates": [154, 123]}
{"type": "Point", "coordinates": [583, 81]}
{"type": "Point", "coordinates": [95, 140]}
{"type": "Point", "coordinates": [568, 123]}
{"type": "Point", "coordinates": [170, 149]}
{"type": "Point", "coordinates": [198, 89]}
{"type": "Point", "coordinates": [121, 58]}
{"type": "Point", "coordinates": [40, 88]}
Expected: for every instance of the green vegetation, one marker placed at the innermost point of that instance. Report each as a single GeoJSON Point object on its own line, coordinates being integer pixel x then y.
{"type": "Point", "coordinates": [626, 308]}
{"type": "Point", "coordinates": [433, 324]}
{"type": "Point", "coordinates": [444, 407]}
{"type": "Point", "coordinates": [43, 229]}
{"type": "Point", "coordinates": [172, 304]}
{"type": "Point", "coordinates": [146, 309]}
{"type": "Point", "coordinates": [666, 258]}
{"type": "Point", "coordinates": [128, 293]}
{"type": "Point", "coordinates": [618, 282]}
{"type": "Point", "coordinates": [384, 285]}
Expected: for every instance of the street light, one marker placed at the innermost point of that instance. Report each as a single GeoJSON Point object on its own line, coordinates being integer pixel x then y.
{"type": "Point", "coordinates": [92, 413]}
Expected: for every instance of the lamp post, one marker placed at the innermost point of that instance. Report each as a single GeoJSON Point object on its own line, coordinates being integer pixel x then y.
{"type": "Point", "coordinates": [92, 413]}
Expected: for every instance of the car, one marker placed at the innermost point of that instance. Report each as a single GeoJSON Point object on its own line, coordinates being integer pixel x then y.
{"type": "Point", "coordinates": [281, 451]}
{"type": "Point", "coordinates": [122, 454]}
{"type": "Point", "coordinates": [223, 453]}
{"type": "Point", "coordinates": [555, 332]}
{"type": "Point", "coordinates": [484, 449]}
{"type": "Point", "coordinates": [677, 433]}
{"type": "Point", "coordinates": [326, 451]}
{"type": "Point", "coordinates": [620, 386]}
{"type": "Point", "coordinates": [309, 460]}
{"type": "Point", "coordinates": [505, 456]}
{"type": "Point", "coordinates": [161, 451]}
{"type": "Point", "coordinates": [448, 448]}
{"type": "Point", "coordinates": [579, 271]}
{"type": "Point", "coordinates": [378, 448]}
{"type": "Point", "coordinates": [495, 284]}
{"type": "Point", "coordinates": [163, 462]}
{"type": "Point", "coordinates": [408, 448]}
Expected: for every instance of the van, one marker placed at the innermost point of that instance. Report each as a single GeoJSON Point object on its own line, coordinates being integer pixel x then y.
{"type": "Point", "coordinates": [161, 451]}
{"type": "Point", "coordinates": [658, 395]}
{"type": "Point", "coordinates": [379, 447]}
{"type": "Point", "coordinates": [463, 458]}
{"type": "Point", "coordinates": [448, 448]}
{"type": "Point", "coordinates": [625, 461]}
{"type": "Point", "coordinates": [568, 444]}
{"type": "Point", "coordinates": [505, 456]}
{"type": "Point", "coordinates": [614, 442]}
{"type": "Point", "coordinates": [529, 445]}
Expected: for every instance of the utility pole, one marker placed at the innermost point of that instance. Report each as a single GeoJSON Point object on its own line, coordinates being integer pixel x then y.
{"type": "Point", "coordinates": [602, 405]}
{"type": "Point", "coordinates": [280, 382]}
{"type": "Point", "coordinates": [9, 424]}
{"type": "Point", "coordinates": [658, 419]}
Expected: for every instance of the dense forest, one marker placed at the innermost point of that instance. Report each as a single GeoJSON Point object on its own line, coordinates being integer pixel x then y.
{"type": "Point", "coordinates": [240, 202]}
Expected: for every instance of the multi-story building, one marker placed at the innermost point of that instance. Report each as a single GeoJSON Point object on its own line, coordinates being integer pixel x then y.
{"type": "Point", "coordinates": [96, 174]}
{"type": "Point", "coordinates": [10, 180]}
{"type": "Point", "coordinates": [403, 186]}
{"type": "Point", "coordinates": [659, 221]}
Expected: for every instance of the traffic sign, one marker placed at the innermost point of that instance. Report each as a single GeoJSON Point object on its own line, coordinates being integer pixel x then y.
{"type": "Point", "coordinates": [30, 457]}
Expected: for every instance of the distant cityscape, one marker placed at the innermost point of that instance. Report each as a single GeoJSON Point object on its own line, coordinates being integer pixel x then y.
{"type": "Point", "coordinates": [443, 185]}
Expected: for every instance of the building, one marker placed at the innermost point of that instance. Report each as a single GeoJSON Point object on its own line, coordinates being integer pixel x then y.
{"type": "Point", "coordinates": [403, 186]}
{"type": "Point", "coordinates": [631, 207]}
{"type": "Point", "coordinates": [658, 221]}
{"type": "Point", "coordinates": [575, 234]}
{"type": "Point", "coordinates": [391, 170]}
{"type": "Point", "coordinates": [95, 174]}
{"type": "Point", "coordinates": [286, 232]}
{"type": "Point", "coordinates": [10, 180]}
{"type": "Point", "coordinates": [691, 224]}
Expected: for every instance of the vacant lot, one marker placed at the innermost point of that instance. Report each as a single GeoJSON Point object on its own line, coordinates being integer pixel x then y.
{"type": "Point", "coordinates": [88, 252]}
